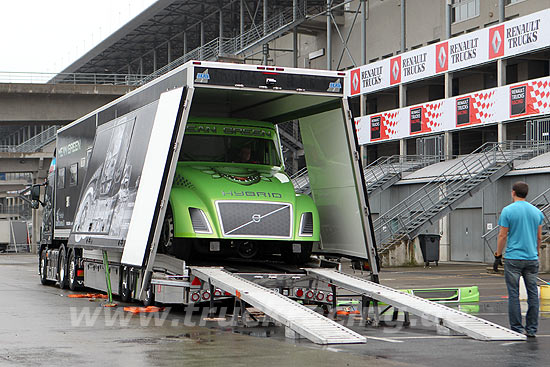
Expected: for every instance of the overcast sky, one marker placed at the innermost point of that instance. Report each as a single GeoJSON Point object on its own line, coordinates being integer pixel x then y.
{"type": "Point", "coordinates": [48, 35]}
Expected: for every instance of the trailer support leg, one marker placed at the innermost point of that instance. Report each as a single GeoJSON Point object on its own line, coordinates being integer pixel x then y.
{"type": "Point", "coordinates": [108, 280]}
{"type": "Point", "coordinates": [212, 310]}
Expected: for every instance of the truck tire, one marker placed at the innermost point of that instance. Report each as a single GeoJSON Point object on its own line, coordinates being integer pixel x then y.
{"type": "Point", "coordinates": [72, 267]}
{"type": "Point", "coordinates": [303, 257]}
{"type": "Point", "coordinates": [149, 299]}
{"type": "Point", "coordinates": [166, 240]}
{"type": "Point", "coordinates": [62, 268]}
{"type": "Point", "coordinates": [42, 268]}
{"type": "Point", "coordinates": [171, 245]}
{"type": "Point", "coordinates": [125, 292]}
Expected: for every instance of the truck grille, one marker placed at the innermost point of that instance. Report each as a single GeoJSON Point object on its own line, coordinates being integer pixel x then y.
{"type": "Point", "coordinates": [255, 219]}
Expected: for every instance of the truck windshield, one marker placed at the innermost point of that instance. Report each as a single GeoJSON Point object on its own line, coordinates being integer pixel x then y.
{"type": "Point", "coordinates": [230, 149]}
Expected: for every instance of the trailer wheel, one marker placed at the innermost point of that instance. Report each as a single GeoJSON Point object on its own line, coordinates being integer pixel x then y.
{"type": "Point", "coordinates": [72, 270]}
{"type": "Point", "coordinates": [297, 258]}
{"type": "Point", "coordinates": [149, 299]}
{"type": "Point", "coordinates": [43, 268]}
{"type": "Point", "coordinates": [125, 285]}
{"type": "Point", "coordinates": [166, 240]}
{"type": "Point", "coordinates": [62, 268]}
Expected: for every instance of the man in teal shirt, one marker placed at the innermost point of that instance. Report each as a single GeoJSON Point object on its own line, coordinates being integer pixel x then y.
{"type": "Point", "coordinates": [521, 233]}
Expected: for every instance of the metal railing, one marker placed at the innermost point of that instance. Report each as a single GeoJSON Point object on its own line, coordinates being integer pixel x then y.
{"type": "Point", "coordinates": [300, 180]}
{"type": "Point", "coordinates": [33, 144]}
{"type": "Point", "coordinates": [239, 44]}
{"type": "Point", "coordinates": [70, 78]}
{"type": "Point", "coordinates": [387, 169]}
{"type": "Point", "coordinates": [433, 200]}
{"type": "Point", "coordinates": [542, 201]}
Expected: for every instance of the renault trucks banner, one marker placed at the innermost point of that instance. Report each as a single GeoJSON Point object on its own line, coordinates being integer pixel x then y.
{"type": "Point", "coordinates": [507, 39]}
{"type": "Point", "coordinates": [530, 98]}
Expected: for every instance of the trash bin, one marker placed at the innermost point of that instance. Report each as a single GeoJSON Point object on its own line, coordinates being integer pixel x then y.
{"type": "Point", "coordinates": [429, 245]}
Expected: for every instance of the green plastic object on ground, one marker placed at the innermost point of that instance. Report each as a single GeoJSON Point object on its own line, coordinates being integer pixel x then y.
{"type": "Point", "coordinates": [440, 295]}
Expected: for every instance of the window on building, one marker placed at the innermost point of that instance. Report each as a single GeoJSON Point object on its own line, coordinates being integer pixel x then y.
{"type": "Point", "coordinates": [464, 9]}
{"type": "Point", "coordinates": [510, 2]}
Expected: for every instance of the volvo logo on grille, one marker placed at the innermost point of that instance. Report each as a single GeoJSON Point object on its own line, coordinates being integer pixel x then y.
{"type": "Point", "coordinates": [256, 218]}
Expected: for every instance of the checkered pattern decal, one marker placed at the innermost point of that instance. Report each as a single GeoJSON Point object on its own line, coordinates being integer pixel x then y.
{"type": "Point", "coordinates": [482, 107]}
{"type": "Point", "coordinates": [432, 116]}
{"type": "Point", "coordinates": [389, 124]}
{"type": "Point", "coordinates": [538, 92]}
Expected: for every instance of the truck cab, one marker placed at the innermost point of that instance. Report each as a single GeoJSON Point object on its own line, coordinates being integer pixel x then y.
{"type": "Point", "coordinates": [231, 196]}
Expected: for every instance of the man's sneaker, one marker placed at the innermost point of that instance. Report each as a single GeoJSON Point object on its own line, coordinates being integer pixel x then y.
{"type": "Point", "coordinates": [530, 335]}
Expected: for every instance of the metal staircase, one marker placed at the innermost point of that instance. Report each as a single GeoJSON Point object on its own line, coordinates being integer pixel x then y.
{"type": "Point", "coordinates": [38, 141]}
{"type": "Point", "coordinates": [385, 171]}
{"type": "Point", "coordinates": [542, 201]}
{"type": "Point", "coordinates": [379, 175]}
{"type": "Point", "coordinates": [445, 192]}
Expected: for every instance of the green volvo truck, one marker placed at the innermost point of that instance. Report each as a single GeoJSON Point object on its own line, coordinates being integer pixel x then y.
{"type": "Point", "coordinates": [231, 196]}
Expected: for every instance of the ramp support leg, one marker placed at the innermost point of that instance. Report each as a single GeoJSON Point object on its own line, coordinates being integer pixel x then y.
{"type": "Point", "coordinates": [211, 311]}
{"type": "Point", "coordinates": [365, 303]}
{"type": "Point", "coordinates": [108, 280]}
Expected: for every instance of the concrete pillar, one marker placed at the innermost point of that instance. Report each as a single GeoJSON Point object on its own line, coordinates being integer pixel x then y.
{"type": "Point", "coordinates": [329, 37]}
{"type": "Point", "coordinates": [141, 66]}
{"type": "Point", "coordinates": [241, 22]}
{"type": "Point", "coordinates": [363, 32]}
{"type": "Point", "coordinates": [403, 27]}
{"type": "Point", "coordinates": [501, 75]}
{"type": "Point", "coordinates": [447, 19]}
{"type": "Point", "coordinates": [363, 112]}
{"type": "Point", "coordinates": [154, 59]}
{"type": "Point", "coordinates": [184, 43]}
{"type": "Point", "coordinates": [295, 47]}
{"type": "Point", "coordinates": [265, 17]}
{"type": "Point", "coordinates": [501, 16]}
{"type": "Point", "coordinates": [220, 34]}
{"type": "Point", "coordinates": [402, 103]}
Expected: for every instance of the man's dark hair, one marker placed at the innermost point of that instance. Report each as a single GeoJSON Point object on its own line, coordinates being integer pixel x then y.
{"type": "Point", "coordinates": [521, 189]}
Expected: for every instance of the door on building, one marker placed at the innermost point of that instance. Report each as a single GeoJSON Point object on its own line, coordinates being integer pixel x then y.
{"type": "Point", "coordinates": [466, 231]}
{"type": "Point", "coordinates": [538, 130]}
{"type": "Point", "coordinates": [430, 145]}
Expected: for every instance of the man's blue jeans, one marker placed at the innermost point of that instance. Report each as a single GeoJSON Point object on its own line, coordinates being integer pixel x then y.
{"type": "Point", "coordinates": [528, 269]}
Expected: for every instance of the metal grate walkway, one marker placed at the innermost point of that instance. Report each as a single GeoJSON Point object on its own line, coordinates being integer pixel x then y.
{"type": "Point", "coordinates": [439, 314]}
{"type": "Point", "coordinates": [291, 314]}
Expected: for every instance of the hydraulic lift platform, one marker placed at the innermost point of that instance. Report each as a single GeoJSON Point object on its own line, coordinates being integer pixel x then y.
{"type": "Point", "coordinates": [458, 321]}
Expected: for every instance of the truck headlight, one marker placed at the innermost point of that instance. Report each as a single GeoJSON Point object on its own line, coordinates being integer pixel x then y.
{"type": "Point", "coordinates": [198, 221]}
{"type": "Point", "coordinates": [306, 225]}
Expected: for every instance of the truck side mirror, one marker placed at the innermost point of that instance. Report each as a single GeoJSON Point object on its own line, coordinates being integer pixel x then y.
{"type": "Point", "coordinates": [35, 193]}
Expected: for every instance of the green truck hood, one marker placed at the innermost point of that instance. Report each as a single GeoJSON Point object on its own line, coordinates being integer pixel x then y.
{"type": "Point", "coordinates": [230, 181]}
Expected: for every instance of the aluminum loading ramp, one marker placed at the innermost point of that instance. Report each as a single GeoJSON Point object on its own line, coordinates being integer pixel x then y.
{"type": "Point", "coordinates": [298, 318]}
{"type": "Point", "coordinates": [461, 322]}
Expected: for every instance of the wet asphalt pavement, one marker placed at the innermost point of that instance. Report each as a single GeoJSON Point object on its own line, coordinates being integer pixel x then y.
{"type": "Point", "coordinates": [41, 325]}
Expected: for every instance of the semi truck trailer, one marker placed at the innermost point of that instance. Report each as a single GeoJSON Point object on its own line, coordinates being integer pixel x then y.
{"type": "Point", "coordinates": [188, 169]}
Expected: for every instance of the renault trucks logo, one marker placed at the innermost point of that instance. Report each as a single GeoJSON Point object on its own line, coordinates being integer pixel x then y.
{"type": "Point", "coordinates": [203, 77]}
{"type": "Point", "coordinates": [335, 86]}
{"type": "Point", "coordinates": [442, 57]}
{"type": "Point", "coordinates": [395, 70]}
{"type": "Point", "coordinates": [355, 82]}
{"type": "Point", "coordinates": [496, 42]}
